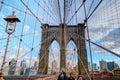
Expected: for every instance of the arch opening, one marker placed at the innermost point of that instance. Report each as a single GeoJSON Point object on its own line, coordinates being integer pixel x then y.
{"type": "Point", "coordinates": [71, 57]}
{"type": "Point", "coordinates": [54, 58]}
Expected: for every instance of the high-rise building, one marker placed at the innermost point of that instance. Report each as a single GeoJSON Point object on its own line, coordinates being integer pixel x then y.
{"type": "Point", "coordinates": [103, 65]}
{"type": "Point", "coordinates": [54, 67]}
{"type": "Point", "coordinates": [23, 64]}
{"type": "Point", "coordinates": [89, 66]}
{"type": "Point", "coordinates": [112, 65]}
{"type": "Point", "coordinates": [12, 65]}
{"type": "Point", "coordinates": [95, 67]}
{"type": "Point", "coordinates": [35, 64]}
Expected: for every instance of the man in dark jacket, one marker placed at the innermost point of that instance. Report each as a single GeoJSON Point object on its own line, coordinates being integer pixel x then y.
{"type": "Point", "coordinates": [71, 77]}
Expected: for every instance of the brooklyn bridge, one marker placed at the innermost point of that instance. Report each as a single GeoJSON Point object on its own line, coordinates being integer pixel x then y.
{"type": "Point", "coordinates": [49, 39]}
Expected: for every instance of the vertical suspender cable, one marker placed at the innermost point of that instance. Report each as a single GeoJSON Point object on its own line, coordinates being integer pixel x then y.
{"type": "Point", "coordinates": [88, 39]}
{"type": "Point", "coordinates": [59, 11]}
{"type": "Point", "coordinates": [33, 38]}
{"type": "Point", "coordinates": [64, 18]}
{"type": "Point", "coordinates": [21, 36]}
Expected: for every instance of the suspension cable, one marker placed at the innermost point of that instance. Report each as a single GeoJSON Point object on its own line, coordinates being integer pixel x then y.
{"type": "Point", "coordinates": [76, 11]}
{"type": "Point", "coordinates": [1, 5]}
{"type": "Point", "coordinates": [21, 35]}
{"type": "Point", "coordinates": [45, 10]}
{"type": "Point", "coordinates": [33, 38]}
{"type": "Point", "coordinates": [40, 43]}
{"type": "Point", "coordinates": [31, 11]}
{"type": "Point", "coordinates": [59, 11]}
{"type": "Point", "coordinates": [94, 9]}
{"type": "Point", "coordinates": [55, 18]}
{"type": "Point", "coordinates": [64, 18]}
{"type": "Point", "coordinates": [15, 8]}
{"type": "Point", "coordinates": [89, 42]}
{"type": "Point", "coordinates": [90, 8]}
{"type": "Point", "coordinates": [20, 40]}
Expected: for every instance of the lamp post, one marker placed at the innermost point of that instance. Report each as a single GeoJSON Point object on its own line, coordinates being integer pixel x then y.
{"type": "Point", "coordinates": [10, 28]}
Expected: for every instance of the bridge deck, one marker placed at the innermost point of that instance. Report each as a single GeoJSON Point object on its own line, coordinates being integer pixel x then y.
{"type": "Point", "coordinates": [52, 77]}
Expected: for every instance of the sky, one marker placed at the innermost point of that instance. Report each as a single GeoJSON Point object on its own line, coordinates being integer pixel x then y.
{"type": "Point", "coordinates": [103, 27]}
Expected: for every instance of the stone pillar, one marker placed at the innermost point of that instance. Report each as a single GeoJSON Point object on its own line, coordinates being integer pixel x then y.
{"type": "Point", "coordinates": [82, 51]}
{"type": "Point", "coordinates": [63, 48]}
{"type": "Point", "coordinates": [62, 60]}
{"type": "Point", "coordinates": [44, 52]}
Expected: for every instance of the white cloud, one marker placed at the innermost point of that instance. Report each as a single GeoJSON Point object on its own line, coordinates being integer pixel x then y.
{"type": "Point", "coordinates": [112, 40]}
{"type": "Point", "coordinates": [117, 50]}
{"type": "Point", "coordinates": [2, 51]}
{"type": "Point", "coordinates": [8, 8]}
{"type": "Point", "coordinates": [104, 27]}
{"type": "Point", "coordinates": [26, 28]}
{"type": "Point", "coordinates": [22, 51]}
{"type": "Point", "coordinates": [11, 57]}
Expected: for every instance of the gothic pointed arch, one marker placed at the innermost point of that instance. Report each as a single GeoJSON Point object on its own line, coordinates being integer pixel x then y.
{"type": "Point", "coordinates": [63, 34]}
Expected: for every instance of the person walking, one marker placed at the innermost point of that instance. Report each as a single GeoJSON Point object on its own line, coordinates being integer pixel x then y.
{"type": "Point", "coordinates": [62, 76]}
{"type": "Point", "coordinates": [71, 77]}
{"type": "Point", "coordinates": [80, 78]}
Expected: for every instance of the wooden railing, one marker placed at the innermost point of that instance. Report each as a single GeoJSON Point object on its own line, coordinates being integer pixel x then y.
{"type": "Point", "coordinates": [49, 77]}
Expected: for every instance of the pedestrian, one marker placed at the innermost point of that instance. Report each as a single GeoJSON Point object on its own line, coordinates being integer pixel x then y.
{"type": "Point", "coordinates": [62, 76]}
{"type": "Point", "coordinates": [80, 78]}
{"type": "Point", "coordinates": [71, 77]}
{"type": "Point", "coordinates": [59, 77]}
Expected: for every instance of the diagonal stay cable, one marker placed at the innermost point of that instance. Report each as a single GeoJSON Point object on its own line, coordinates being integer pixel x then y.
{"type": "Point", "coordinates": [33, 38]}
{"type": "Point", "coordinates": [31, 11]}
{"type": "Point", "coordinates": [89, 42]}
{"type": "Point", "coordinates": [16, 8]}
{"type": "Point", "coordinates": [40, 44]}
{"type": "Point", "coordinates": [14, 36]}
{"type": "Point", "coordinates": [21, 34]}
{"type": "Point", "coordinates": [94, 10]}
{"type": "Point", "coordinates": [90, 7]}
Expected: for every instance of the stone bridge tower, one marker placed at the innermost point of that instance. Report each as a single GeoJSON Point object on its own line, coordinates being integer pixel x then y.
{"type": "Point", "coordinates": [57, 32]}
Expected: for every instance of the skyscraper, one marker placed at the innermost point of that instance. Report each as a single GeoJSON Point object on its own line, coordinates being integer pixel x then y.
{"type": "Point", "coordinates": [23, 64]}
{"type": "Point", "coordinates": [112, 65]}
{"type": "Point", "coordinates": [89, 66]}
{"type": "Point", "coordinates": [103, 65]}
{"type": "Point", "coordinates": [95, 67]}
{"type": "Point", "coordinates": [54, 67]}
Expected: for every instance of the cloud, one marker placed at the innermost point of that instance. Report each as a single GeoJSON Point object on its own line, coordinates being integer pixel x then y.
{"type": "Point", "coordinates": [26, 28]}
{"type": "Point", "coordinates": [22, 51]}
{"type": "Point", "coordinates": [11, 57]}
{"type": "Point", "coordinates": [2, 51]}
{"type": "Point", "coordinates": [110, 41]}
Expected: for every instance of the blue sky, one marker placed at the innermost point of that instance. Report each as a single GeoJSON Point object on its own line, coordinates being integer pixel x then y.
{"type": "Point", "coordinates": [103, 27]}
